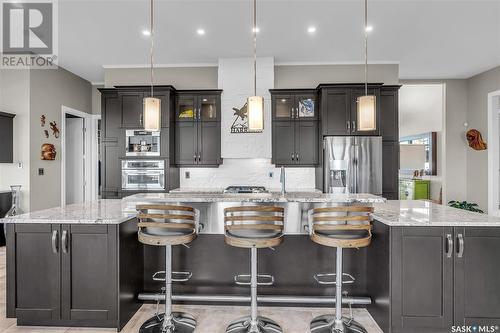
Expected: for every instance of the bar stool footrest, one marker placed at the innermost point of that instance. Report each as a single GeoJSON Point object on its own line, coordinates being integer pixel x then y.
{"type": "Point", "coordinates": [329, 278]}
{"type": "Point", "coordinates": [245, 280]}
{"type": "Point", "coordinates": [176, 276]}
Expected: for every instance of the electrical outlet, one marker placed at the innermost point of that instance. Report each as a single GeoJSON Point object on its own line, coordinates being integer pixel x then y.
{"type": "Point", "coordinates": [41, 171]}
{"type": "Point", "coordinates": [187, 174]}
{"type": "Point", "coordinates": [271, 174]}
{"type": "Point", "coordinates": [19, 165]}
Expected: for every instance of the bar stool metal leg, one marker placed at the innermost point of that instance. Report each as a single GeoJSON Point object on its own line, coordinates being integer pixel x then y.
{"type": "Point", "coordinates": [254, 323]}
{"type": "Point", "coordinates": [169, 322]}
{"type": "Point", "coordinates": [336, 323]}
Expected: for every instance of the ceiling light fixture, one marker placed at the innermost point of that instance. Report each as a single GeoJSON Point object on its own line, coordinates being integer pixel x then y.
{"type": "Point", "coordinates": [200, 32]}
{"type": "Point", "coordinates": [255, 104]}
{"type": "Point", "coordinates": [369, 28]}
{"type": "Point", "coordinates": [256, 29]}
{"type": "Point", "coordinates": [151, 105]}
{"type": "Point", "coordinates": [311, 30]}
{"type": "Point", "coordinates": [367, 115]}
{"type": "Point", "coordinates": [146, 32]}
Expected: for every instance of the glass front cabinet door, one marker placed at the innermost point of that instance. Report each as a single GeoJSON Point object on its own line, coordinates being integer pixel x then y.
{"type": "Point", "coordinates": [294, 105]}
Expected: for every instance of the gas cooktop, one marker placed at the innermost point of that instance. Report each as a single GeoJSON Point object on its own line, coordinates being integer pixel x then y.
{"type": "Point", "coordinates": [245, 189]}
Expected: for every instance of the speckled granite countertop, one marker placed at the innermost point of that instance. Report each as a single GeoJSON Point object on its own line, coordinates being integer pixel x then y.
{"type": "Point", "coordinates": [106, 211]}
{"type": "Point", "coordinates": [427, 214]}
{"type": "Point", "coordinates": [303, 196]}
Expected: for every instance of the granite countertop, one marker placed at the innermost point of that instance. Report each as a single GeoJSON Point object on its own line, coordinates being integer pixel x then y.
{"type": "Point", "coordinates": [302, 196]}
{"type": "Point", "coordinates": [424, 213]}
{"type": "Point", "coordinates": [105, 211]}
{"type": "Point", "coordinates": [220, 190]}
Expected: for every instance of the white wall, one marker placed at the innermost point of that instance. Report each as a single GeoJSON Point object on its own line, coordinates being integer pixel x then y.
{"type": "Point", "coordinates": [14, 98]}
{"type": "Point", "coordinates": [420, 109]}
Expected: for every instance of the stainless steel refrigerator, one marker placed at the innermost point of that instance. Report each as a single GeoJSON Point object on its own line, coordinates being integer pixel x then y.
{"type": "Point", "coordinates": [352, 164]}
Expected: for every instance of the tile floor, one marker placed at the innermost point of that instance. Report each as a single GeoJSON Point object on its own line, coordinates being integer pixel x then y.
{"type": "Point", "coordinates": [211, 319]}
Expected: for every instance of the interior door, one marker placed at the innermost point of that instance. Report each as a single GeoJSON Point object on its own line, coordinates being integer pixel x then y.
{"type": "Point", "coordinates": [477, 276]}
{"type": "Point", "coordinates": [209, 143]}
{"type": "Point", "coordinates": [37, 270]}
{"type": "Point", "coordinates": [88, 272]}
{"type": "Point", "coordinates": [283, 142]}
{"type": "Point", "coordinates": [186, 143]}
{"type": "Point", "coordinates": [74, 161]}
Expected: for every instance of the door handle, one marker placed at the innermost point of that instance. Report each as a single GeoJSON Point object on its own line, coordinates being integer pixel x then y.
{"type": "Point", "coordinates": [199, 157]}
{"type": "Point", "coordinates": [460, 251]}
{"type": "Point", "coordinates": [297, 157]}
{"type": "Point", "coordinates": [348, 126]}
{"type": "Point", "coordinates": [354, 126]}
{"type": "Point", "coordinates": [449, 247]}
{"type": "Point", "coordinates": [140, 119]}
{"type": "Point", "coordinates": [195, 157]}
{"type": "Point", "coordinates": [293, 157]}
{"type": "Point", "coordinates": [64, 241]}
{"type": "Point", "coordinates": [55, 248]}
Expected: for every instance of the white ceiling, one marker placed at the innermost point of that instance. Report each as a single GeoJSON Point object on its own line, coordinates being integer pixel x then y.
{"type": "Point", "coordinates": [429, 39]}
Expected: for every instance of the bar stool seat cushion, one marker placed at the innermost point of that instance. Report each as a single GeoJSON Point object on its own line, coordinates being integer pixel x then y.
{"type": "Point", "coordinates": [341, 234]}
{"type": "Point", "coordinates": [254, 233]}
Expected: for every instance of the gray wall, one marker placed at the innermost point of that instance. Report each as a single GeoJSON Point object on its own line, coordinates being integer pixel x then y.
{"type": "Point", "coordinates": [309, 76]}
{"type": "Point", "coordinates": [14, 98]}
{"type": "Point", "coordinates": [479, 87]}
{"type": "Point", "coordinates": [50, 90]}
{"type": "Point", "coordinates": [179, 77]}
{"type": "Point", "coordinates": [96, 99]}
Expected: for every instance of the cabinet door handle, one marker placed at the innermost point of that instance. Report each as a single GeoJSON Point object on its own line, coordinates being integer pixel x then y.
{"type": "Point", "coordinates": [354, 126]}
{"type": "Point", "coordinates": [195, 157]}
{"type": "Point", "coordinates": [293, 157]}
{"type": "Point", "coordinates": [297, 157]}
{"type": "Point", "coordinates": [199, 157]}
{"type": "Point", "coordinates": [64, 241]}
{"type": "Point", "coordinates": [348, 126]}
{"type": "Point", "coordinates": [55, 248]}
{"type": "Point", "coordinates": [460, 251]}
{"type": "Point", "coordinates": [449, 246]}
{"type": "Point", "coordinates": [140, 119]}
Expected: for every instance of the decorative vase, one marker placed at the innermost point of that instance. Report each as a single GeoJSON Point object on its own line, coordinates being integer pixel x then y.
{"type": "Point", "coordinates": [15, 209]}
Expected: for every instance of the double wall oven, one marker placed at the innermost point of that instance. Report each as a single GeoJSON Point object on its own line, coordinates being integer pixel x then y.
{"type": "Point", "coordinates": [143, 175]}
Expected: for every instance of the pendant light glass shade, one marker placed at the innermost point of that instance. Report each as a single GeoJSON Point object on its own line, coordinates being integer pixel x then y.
{"type": "Point", "coordinates": [152, 114]}
{"type": "Point", "coordinates": [367, 113]}
{"type": "Point", "coordinates": [255, 107]}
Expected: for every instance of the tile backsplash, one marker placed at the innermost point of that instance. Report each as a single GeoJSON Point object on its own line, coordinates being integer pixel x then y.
{"type": "Point", "coordinates": [251, 171]}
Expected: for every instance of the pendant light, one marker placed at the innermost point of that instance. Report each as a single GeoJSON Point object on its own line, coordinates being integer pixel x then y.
{"type": "Point", "coordinates": [255, 104]}
{"type": "Point", "coordinates": [367, 114]}
{"type": "Point", "coordinates": [151, 105]}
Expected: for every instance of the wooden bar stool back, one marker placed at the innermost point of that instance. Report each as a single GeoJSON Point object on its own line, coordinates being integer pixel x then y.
{"type": "Point", "coordinates": [340, 227]}
{"type": "Point", "coordinates": [168, 225]}
{"type": "Point", "coordinates": [254, 227]}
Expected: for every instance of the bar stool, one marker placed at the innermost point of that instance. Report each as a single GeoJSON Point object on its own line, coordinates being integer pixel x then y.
{"type": "Point", "coordinates": [254, 227]}
{"type": "Point", "coordinates": [340, 227]}
{"type": "Point", "coordinates": [168, 225]}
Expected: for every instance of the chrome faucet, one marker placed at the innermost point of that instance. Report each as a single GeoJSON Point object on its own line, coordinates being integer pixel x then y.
{"type": "Point", "coordinates": [283, 180]}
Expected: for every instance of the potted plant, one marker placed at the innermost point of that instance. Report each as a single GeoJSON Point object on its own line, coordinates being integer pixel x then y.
{"type": "Point", "coordinates": [473, 207]}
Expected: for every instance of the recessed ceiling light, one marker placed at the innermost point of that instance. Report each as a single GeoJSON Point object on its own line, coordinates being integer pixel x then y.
{"type": "Point", "coordinates": [256, 29]}
{"type": "Point", "coordinates": [200, 32]}
{"type": "Point", "coordinates": [369, 28]}
{"type": "Point", "coordinates": [146, 32]}
{"type": "Point", "coordinates": [311, 29]}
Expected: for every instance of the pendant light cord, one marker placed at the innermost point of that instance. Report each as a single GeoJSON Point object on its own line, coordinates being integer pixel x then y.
{"type": "Point", "coordinates": [255, 47]}
{"type": "Point", "coordinates": [152, 45]}
{"type": "Point", "coordinates": [366, 47]}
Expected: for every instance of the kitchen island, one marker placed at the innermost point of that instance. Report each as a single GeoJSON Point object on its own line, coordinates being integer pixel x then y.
{"type": "Point", "coordinates": [429, 266]}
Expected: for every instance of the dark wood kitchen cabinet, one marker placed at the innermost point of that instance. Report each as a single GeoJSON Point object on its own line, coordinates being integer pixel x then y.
{"type": "Point", "coordinates": [73, 274]}
{"type": "Point", "coordinates": [7, 137]}
{"type": "Point", "coordinates": [292, 104]}
{"type": "Point", "coordinates": [444, 276]}
{"type": "Point", "coordinates": [295, 125]}
{"type": "Point", "coordinates": [198, 128]}
{"type": "Point", "coordinates": [422, 275]}
{"type": "Point", "coordinates": [131, 98]}
{"type": "Point", "coordinates": [295, 143]}
{"type": "Point", "coordinates": [390, 170]}
{"type": "Point", "coordinates": [477, 276]}
{"type": "Point", "coordinates": [339, 108]}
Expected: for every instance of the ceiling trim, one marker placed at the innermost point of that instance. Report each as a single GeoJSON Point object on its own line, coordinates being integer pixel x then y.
{"type": "Point", "coordinates": [161, 65]}
{"type": "Point", "coordinates": [312, 63]}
